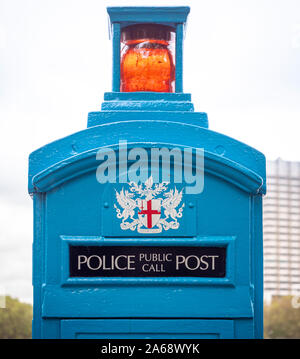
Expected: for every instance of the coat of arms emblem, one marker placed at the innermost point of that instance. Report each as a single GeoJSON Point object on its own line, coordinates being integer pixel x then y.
{"type": "Point", "coordinates": [149, 207]}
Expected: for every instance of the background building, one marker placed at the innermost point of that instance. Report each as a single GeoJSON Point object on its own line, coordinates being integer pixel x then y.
{"type": "Point", "coordinates": [282, 229]}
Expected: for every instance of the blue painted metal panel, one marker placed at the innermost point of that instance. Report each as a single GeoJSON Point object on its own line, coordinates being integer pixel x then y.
{"type": "Point", "coordinates": [83, 218]}
{"type": "Point", "coordinates": [147, 301]}
{"type": "Point", "coordinates": [257, 264]}
{"type": "Point", "coordinates": [147, 329]}
{"type": "Point", "coordinates": [38, 261]}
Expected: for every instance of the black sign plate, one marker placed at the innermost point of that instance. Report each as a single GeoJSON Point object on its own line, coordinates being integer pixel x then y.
{"type": "Point", "coordinates": [142, 261]}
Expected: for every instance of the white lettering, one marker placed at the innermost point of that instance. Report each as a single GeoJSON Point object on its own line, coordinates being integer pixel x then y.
{"type": "Point", "coordinates": [179, 260]}
{"type": "Point", "coordinates": [89, 262]}
{"type": "Point", "coordinates": [81, 262]}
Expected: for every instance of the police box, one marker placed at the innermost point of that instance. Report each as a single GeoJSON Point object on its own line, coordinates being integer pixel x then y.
{"type": "Point", "coordinates": [147, 224]}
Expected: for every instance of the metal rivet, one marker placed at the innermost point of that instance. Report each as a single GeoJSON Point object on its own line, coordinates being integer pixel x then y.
{"type": "Point", "coordinates": [74, 148]}
{"type": "Point", "coordinates": [191, 205]}
{"type": "Point", "coordinates": [105, 205]}
{"type": "Point", "coordinates": [220, 150]}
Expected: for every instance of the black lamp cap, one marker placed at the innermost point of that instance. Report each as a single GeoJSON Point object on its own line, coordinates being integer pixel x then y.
{"type": "Point", "coordinates": [147, 31]}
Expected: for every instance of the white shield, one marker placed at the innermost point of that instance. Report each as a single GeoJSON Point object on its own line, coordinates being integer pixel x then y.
{"type": "Point", "coordinates": [149, 212]}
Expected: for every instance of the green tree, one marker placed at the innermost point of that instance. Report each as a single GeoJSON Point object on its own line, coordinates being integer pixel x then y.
{"type": "Point", "coordinates": [281, 319]}
{"type": "Point", "coordinates": [15, 320]}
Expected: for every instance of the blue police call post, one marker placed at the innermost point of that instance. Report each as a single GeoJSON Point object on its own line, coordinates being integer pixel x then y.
{"type": "Point", "coordinates": [147, 224]}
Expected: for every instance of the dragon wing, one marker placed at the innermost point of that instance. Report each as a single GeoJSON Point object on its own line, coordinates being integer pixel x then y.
{"type": "Point", "coordinates": [121, 199]}
{"type": "Point", "coordinates": [124, 201]}
{"type": "Point", "coordinates": [173, 200]}
{"type": "Point", "coordinates": [177, 197]}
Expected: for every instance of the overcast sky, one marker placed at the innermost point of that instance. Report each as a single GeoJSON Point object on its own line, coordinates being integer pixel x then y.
{"type": "Point", "coordinates": [241, 65]}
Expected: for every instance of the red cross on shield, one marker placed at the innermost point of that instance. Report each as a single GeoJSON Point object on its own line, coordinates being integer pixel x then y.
{"type": "Point", "coordinates": [149, 213]}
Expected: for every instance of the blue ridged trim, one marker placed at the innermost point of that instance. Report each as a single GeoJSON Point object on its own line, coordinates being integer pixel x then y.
{"type": "Point", "coordinates": [75, 166]}
{"type": "Point", "coordinates": [172, 14]}
{"type": "Point", "coordinates": [147, 96]}
{"type": "Point", "coordinates": [183, 117]}
{"type": "Point", "coordinates": [147, 101]}
{"type": "Point", "coordinates": [147, 106]}
{"type": "Point", "coordinates": [80, 148]}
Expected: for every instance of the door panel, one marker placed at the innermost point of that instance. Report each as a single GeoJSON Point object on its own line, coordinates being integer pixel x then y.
{"type": "Point", "coordinates": [147, 329]}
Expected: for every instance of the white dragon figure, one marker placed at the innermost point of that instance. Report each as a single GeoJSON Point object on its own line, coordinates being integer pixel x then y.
{"type": "Point", "coordinates": [170, 204]}
{"type": "Point", "coordinates": [127, 203]}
